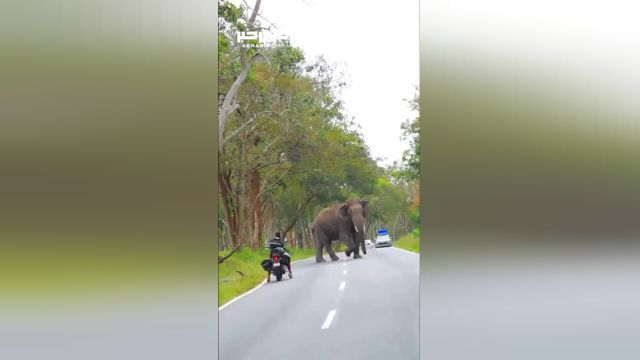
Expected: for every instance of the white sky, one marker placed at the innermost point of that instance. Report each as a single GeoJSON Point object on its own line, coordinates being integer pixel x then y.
{"type": "Point", "coordinates": [376, 44]}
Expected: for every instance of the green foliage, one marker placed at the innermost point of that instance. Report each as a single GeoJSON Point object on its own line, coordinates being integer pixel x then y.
{"type": "Point", "coordinates": [291, 127]}
{"type": "Point", "coordinates": [409, 242]}
{"type": "Point", "coordinates": [287, 59]}
{"type": "Point", "coordinates": [409, 169]}
{"type": "Point", "coordinates": [414, 215]}
{"type": "Point", "coordinates": [229, 16]}
{"type": "Point", "coordinates": [389, 199]}
{"type": "Point", "coordinates": [223, 44]}
{"type": "Point", "coordinates": [411, 157]}
{"type": "Point", "coordinates": [228, 11]}
{"type": "Point", "coordinates": [291, 141]}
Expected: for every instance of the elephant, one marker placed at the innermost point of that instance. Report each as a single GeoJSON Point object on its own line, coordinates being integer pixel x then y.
{"type": "Point", "coordinates": [341, 222]}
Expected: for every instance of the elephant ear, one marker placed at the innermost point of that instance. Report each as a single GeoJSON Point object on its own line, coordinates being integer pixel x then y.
{"type": "Point", "coordinates": [344, 210]}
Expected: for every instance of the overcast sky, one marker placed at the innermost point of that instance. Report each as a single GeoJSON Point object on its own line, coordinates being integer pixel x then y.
{"type": "Point", "coordinates": [377, 46]}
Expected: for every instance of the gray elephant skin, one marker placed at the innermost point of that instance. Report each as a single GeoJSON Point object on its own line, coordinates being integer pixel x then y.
{"type": "Point", "coordinates": [341, 222]}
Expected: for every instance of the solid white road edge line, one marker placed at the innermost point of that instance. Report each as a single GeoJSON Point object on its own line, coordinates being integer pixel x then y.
{"type": "Point", "coordinates": [250, 290]}
{"type": "Point", "coordinates": [342, 285]}
{"type": "Point", "coordinates": [410, 252]}
{"type": "Point", "coordinates": [328, 320]}
{"type": "Point", "coordinates": [242, 295]}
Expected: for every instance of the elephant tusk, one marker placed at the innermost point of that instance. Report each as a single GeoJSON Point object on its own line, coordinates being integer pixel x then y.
{"type": "Point", "coordinates": [355, 227]}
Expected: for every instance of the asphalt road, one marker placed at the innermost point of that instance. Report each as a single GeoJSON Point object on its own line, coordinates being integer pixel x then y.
{"type": "Point", "coordinates": [349, 309]}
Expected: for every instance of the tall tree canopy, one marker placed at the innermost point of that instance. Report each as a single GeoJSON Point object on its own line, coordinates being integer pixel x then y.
{"type": "Point", "coordinates": [286, 146]}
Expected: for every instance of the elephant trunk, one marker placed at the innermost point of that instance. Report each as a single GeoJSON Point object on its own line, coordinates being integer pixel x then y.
{"type": "Point", "coordinates": [358, 227]}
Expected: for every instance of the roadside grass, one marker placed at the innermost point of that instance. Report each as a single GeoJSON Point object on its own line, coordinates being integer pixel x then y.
{"type": "Point", "coordinates": [408, 242]}
{"type": "Point", "coordinates": [242, 271]}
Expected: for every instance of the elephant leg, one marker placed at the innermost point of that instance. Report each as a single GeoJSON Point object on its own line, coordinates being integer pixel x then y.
{"type": "Point", "coordinates": [319, 257]}
{"type": "Point", "coordinates": [332, 254]}
{"type": "Point", "coordinates": [350, 246]}
{"type": "Point", "coordinates": [356, 252]}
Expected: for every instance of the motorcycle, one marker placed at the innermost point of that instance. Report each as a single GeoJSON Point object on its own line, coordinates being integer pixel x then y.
{"type": "Point", "coordinates": [278, 263]}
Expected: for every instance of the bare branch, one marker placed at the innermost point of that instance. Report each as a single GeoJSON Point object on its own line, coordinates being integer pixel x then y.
{"type": "Point", "coordinates": [255, 12]}
{"type": "Point", "coordinates": [262, 191]}
{"type": "Point", "coordinates": [256, 55]}
{"type": "Point", "coordinates": [262, 17]}
{"type": "Point", "coordinates": [239, 129]}
{"type": "Point", "coordinates": [301, 208]}
{"type": "Point", "coordinates": [270, 23]}
{"type": "Point", "coordinates": [268, 164]}
{"type": "Point", "coordinates": [229, 105]}
{"type": "Point", "coordinates": [236, 248]}
{"type": "Point", "coordinates": [270, 144]}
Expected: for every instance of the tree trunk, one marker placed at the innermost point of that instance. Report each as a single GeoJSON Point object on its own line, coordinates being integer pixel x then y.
{"type": "Point", "coordinates": [223, 238]}
{"type": "Point", "coordinates": [301, 208]}
{"type": "Point", "coordinates": [255, 210]}
{"type": "Point", "coordinates": [372, 230]}
{"type": "Point", "coordinates": [306, 234]}
{"type": "Point", "coordinates": [300, 239]}
{"type": "Point", "coordinates": [235, 202]}
{"type": "Point", "coordinates": [230, 211]}
{"type": "Point", "coordinates": [395, 225]}
{"type": "Point", "coordinates": [268, 222]}
{"type": "Point", "coordinates": [404, 221]}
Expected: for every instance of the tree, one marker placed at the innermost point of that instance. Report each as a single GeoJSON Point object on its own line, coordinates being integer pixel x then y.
{"type": "Point", "coordinates": [409, 169]}
{"type": "Point", "coordinates": [407, 172]}
{"type": "Point", "coordinates": [287, 149]}
{"type": "Point", "coordinates": [232, 19]}
{"type": "Point", "coordinates": [335, 162]}
{"type": "Point", "coordinates": [287, 145]}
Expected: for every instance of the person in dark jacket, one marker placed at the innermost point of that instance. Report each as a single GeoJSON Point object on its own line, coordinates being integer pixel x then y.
{"type": "Point", "coordinates": [276, 241]}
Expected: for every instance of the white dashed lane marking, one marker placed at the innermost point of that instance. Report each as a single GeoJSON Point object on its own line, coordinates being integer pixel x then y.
{"type": "Point", "coordinates": [342, 285]}
{"type": "Point", "coordinates": [328, 320]}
